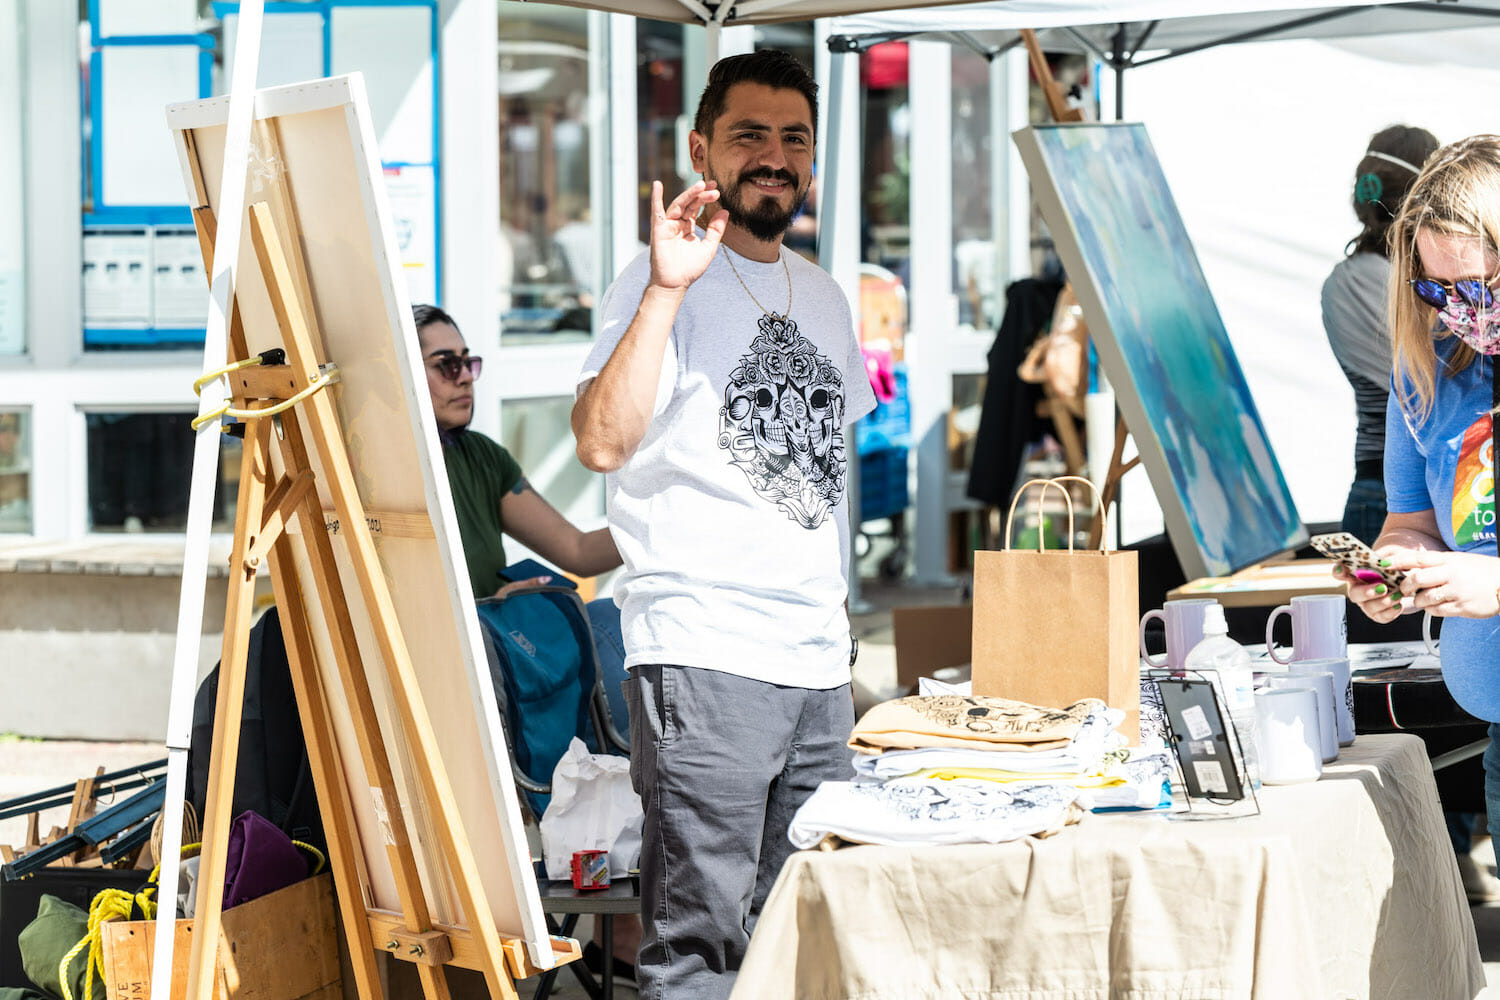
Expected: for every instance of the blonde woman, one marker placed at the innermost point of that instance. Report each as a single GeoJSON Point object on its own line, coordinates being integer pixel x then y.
{"type": "Point", "coordinates": [1439, 467]}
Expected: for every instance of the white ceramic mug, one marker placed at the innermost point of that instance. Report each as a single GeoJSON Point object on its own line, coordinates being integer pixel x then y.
{"type": "Point", "coordinates": [1318, 628]}
{"type": "Point", "coordinates": [1343, 692]}
{"type": "Point", "coordinates": [1427, 639]}
{"type": "Point", "coordinates": [1183, 622]}
{"type": "Point", "coordinates": [1321, 682]}
{"type": "Point", "coordinates": [1286, 735]}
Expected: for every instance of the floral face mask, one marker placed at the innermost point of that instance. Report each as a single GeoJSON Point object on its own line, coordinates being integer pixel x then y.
{"type": "Point", "coordinates": [1478, 329]}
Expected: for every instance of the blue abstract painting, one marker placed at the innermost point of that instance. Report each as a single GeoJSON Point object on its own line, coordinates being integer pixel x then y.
{"type": "Point", "coordinates": [1162, 344]}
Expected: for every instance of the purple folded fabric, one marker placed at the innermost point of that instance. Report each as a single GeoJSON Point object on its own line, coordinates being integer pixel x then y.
{"type": "Point", "coordinates": [261, 860]}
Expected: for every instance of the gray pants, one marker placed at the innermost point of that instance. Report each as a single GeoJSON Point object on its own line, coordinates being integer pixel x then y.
{"type": "Point", "coordinates": [721, 763]}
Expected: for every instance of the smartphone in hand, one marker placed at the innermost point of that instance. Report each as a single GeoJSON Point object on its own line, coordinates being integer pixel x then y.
{"type": "Point", "coordinates": [1356, 557]}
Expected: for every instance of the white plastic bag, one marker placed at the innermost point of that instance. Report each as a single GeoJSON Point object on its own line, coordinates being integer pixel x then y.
{"type": "Point", "coordinates": [593, 808]}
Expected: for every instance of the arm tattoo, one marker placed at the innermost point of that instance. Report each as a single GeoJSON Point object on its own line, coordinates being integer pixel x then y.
{"type": "Point", "coordinates": [521, 486]}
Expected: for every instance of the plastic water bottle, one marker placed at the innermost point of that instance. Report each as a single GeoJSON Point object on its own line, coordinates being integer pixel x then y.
{"type": "Point", "coordinates": [1226, 661]}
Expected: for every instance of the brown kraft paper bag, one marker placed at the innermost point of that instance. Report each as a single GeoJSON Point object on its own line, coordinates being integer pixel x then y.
{"type": "Point", "coordinates": [1054, 626]}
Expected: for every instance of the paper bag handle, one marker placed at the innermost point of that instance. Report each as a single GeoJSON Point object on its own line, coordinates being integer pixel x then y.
{"type": "Point", "coordinates": [1041, 536]}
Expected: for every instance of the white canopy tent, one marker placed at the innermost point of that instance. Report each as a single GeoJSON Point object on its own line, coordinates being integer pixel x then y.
{"type": "Point", "coordinates": [1126, 34]}
{"type": "Point", "coordinates": [1119, 33]}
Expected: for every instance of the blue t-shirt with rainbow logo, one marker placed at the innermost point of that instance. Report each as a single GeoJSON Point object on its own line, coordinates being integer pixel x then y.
{"type": "Point", "coordinates": [1447, 465]}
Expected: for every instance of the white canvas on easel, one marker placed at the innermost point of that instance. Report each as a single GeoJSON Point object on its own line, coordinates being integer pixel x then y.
{"type": "Point", "coordinates": [313, 155]}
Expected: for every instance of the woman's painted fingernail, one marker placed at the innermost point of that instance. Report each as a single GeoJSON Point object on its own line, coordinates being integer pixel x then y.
{"type": "Point", "coordinates": [1396, 604]}
{"type": "Point", "coordinates": [1380, 590]}
{"type": "Point", "coordinates": [1385, 562]}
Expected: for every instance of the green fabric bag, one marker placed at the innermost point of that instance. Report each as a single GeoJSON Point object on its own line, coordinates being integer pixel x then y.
{"type": "Point", "coordinates": [20, 993]}
{"type": "Point", "coordinates": [58, 927]}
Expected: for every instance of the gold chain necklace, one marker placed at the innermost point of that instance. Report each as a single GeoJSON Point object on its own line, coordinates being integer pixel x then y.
{"type": "Point", "coordinates": [788, 273]}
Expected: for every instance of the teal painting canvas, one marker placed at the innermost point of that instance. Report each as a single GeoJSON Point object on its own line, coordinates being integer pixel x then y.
{"type": "Point", "coordinates": [1162, 344]}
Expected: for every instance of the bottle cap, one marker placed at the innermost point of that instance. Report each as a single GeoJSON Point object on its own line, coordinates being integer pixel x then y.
{"type": "Point", "coordinates": [1213, 620]}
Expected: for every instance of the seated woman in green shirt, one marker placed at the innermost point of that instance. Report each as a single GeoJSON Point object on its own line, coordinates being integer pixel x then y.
{"type": "Point", "coordinates": [490, 494]}
{"type": "Point", "coordinates": [492, 498]}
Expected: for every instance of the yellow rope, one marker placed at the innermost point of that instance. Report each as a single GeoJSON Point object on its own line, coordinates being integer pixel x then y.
{"type": "Point", "coordinates": [233, 366]}
{"type": "Point", "coordinates": [109, 904]}
{"type": "Point", "coordinates": [315, 853]}
{"type": "Point", "coordinates": [225, 410]}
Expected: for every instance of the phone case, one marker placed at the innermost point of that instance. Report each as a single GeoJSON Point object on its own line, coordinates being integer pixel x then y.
{"type": "Point", "coordinates": [1356, 556]}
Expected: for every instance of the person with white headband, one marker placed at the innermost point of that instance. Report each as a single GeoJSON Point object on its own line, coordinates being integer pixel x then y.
{"type": "Point", "coordinates": [1354, 313]}
{"type": "Point", "coordinates": [1439, 532]}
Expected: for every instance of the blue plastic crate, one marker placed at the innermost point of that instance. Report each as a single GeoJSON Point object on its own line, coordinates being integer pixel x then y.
{"type": "Point", "coordinates": [889, 424]}
{"type": "Point", "coordinates": [882, 484]}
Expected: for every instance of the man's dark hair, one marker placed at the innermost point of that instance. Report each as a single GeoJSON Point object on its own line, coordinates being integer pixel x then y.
{"type": "Point", "coordinates": [423, 315]}
{"type": "Point", "coordinates": [770, 67]}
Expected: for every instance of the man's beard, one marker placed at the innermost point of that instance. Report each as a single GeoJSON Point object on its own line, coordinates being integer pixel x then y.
{"type": "Point", "coordinates": [767, 221]}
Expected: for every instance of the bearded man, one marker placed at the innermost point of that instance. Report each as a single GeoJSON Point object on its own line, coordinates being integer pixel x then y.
{"type": "Point", "coordinates": [715, 399]}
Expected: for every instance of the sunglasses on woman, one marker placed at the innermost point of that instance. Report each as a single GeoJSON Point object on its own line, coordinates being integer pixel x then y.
{"type": "Point", "coordinates": [451, 365]}
{"type": "Point", "coordinates": [1475, 292]}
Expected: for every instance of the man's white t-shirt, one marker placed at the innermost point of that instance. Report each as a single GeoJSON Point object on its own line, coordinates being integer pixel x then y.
{"type": "Point", "coordinates": [732, 516]}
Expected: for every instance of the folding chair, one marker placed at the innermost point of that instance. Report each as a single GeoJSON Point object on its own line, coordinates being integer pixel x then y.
{"type": "Point", "coordinates": [548, 682]}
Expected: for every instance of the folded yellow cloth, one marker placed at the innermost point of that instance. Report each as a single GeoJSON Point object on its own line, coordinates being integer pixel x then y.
{"type": "Point", "coordinates": [1002, 776]}
{"type": "Point", "coordinates": [976, 722]}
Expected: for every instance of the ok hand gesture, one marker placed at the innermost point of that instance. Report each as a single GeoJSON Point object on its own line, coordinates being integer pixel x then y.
{"type": "Point", "coordinates": [679, 256]}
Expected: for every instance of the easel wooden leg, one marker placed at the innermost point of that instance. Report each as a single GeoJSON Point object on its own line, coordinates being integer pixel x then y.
{"type": "Point", "coordinates": [327, 772]}
{"type": "Point", "coordinates": [1111, 486]}
{"type": "Point", "coordinates": [225, 749]}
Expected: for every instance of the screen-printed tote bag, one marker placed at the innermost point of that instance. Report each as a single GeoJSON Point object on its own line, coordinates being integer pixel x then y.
{"type": "Point", "coordinates": [1052, 626]}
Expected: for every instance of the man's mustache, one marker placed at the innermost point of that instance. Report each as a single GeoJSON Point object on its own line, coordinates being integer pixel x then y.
{"type": "Point", "coordinates": [766, 173]}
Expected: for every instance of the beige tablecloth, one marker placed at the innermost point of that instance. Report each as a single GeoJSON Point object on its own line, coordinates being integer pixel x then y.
{"type": "Point", "coordinates": [1345, 888]}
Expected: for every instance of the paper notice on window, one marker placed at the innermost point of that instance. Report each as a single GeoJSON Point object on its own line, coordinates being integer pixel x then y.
{"type": "Point", "coordinates": [411, 192]}
{"type": "Point", "coordinates": [117, 278]}
{"type": "Point", "coordinates": [181, 291]}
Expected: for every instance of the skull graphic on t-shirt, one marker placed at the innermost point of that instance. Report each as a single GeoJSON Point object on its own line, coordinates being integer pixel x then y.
{"type": "Point", "coordinates": [783, 422]}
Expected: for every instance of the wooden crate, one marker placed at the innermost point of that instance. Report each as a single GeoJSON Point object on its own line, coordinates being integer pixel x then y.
{"type": "Point", "coordinates": [279, 947]}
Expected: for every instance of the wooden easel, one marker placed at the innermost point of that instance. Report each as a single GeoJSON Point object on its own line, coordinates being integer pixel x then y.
{"type": "Point", "coordinates": [1057, 98]}
{"type": "Point", "coordinates": [1062, 111]}
{"type": "Point", "coordinates": [276, 493]}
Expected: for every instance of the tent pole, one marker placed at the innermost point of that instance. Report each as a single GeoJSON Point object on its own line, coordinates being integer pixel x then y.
{"type": "Point", "coordinates": [838, 240]}
{"type": "Point", "coordinates": [1117, 60]}
{"type": "Point", "coordinates": [1000, 178]}
{"type": "Point", "coordinates": [933, 305]}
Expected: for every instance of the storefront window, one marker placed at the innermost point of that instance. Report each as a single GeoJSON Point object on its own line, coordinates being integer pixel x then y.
{"type": "Point", "coordinates": [549, 250]}
{"type": "Point", "coordinates": [15, 470]}
{"type": "Point", "coordinates": [143, 286]}
{"type": "Point", "coordinates": [536, 433]}
{"type": "Point", "coordinates": [665, 115]}
{"type": "Point", "coordinates": [141, 470]}
{"type": "Point", "coordinates": [973, 241]}
{"type": "Point", "coordinates": [13, 218]}
{"type": "Point", "coordinates": [886, 175]}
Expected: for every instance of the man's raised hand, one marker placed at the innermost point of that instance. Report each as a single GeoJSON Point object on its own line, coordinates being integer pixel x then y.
{"type": "Point", "coordinates": [679, 256]}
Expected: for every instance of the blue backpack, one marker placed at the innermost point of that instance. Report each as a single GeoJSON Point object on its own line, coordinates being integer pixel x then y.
{"type": "Point", "coordinates": [545, 670]}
